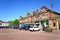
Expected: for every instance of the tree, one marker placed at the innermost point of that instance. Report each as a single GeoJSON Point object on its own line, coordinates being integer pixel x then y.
{"type": "Point", "coordinates": [15, 23]}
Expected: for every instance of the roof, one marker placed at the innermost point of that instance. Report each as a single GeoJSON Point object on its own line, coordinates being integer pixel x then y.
{"type": "Point", "coordinates": [49, 10]}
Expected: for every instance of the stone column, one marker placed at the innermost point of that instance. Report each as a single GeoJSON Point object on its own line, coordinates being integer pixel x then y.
{"type": "Point", "coordinates": [57, 25]}
{"type": "Point", "coordinates": [50, 23]}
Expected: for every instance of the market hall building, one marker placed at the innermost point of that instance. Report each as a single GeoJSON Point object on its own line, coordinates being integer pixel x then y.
{"type": "Point", "coordinates": [44, 17]}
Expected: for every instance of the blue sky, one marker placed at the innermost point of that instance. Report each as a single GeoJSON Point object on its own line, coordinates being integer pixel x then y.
{"type": "Point", "coordinates": [13, 9]}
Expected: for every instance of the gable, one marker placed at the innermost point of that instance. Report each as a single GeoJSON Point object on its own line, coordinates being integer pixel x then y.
{"type": "Point", "coordinates": [43, 9]}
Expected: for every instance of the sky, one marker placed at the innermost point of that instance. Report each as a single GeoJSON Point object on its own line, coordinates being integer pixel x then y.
{"type": "Point", "coordinates": [13, 9]}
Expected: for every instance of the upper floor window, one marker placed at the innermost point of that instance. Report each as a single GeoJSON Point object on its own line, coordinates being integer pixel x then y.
{"type": "Point", "coordinates": [43, 16]}
{"type": "Point", "coordinates": [37, 18]}
{"type": "Point", "coordinates": [28, 20]}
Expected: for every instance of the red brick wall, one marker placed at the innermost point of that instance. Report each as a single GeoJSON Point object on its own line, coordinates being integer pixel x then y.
{"type": "Point", "coordinates": [40, 17]}
{"type": "Point", "coordinates": [32, 19]}
{"type": "Point", "coordinates": [21, 21]}
{"type": "Point", "coordinates": [48, 15]}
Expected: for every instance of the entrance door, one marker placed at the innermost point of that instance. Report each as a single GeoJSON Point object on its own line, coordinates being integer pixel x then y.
{"type": "Point", "coordinates": [59, 25]}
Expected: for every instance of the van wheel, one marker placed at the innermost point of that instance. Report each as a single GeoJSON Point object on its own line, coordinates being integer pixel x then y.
{"type": "Point", "coordinates": [34, 30]}
{"type": "Point", "coordinates": [31, 30]}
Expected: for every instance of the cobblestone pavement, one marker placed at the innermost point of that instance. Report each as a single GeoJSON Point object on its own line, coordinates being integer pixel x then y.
{"type": "Point", "coordinates": [15, 34]}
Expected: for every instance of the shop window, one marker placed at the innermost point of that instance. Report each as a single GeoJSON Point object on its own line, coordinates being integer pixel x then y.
{"type": "Point", "coordinates": [54, 24]}
{"type": "Point", "coordinates": [47, 23]}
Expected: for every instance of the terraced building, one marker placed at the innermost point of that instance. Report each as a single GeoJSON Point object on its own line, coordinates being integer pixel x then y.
{"type": "Point", "coordinates": [44, 17]}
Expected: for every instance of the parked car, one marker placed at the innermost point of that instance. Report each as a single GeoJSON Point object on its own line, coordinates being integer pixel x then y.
{"type": "Point", "coordinates": [24, 27]}
{"type": "Point", "coordinates": [14, 27]}
{"type": "Point", "coordinates": [34, 28]}
{"type": "Point", "coordinates": [6, 26]}
{"type": "Point", "coordinates": [21, 27]}
{"type": "Point", "coordinates": [27, 27]}
{"type": "Point", "coordinates": [1, 27]}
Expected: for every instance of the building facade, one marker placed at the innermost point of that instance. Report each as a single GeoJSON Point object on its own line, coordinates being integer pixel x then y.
{"type": "Point", "coordinates": [5, 24]}
{"type": "Point", "coordinates": [2, 24]}
{"type": "Point", "coordinates": [44, 17]}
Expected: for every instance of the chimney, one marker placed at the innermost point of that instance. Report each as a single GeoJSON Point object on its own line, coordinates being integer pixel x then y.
{"type": "Point", "coordinates": [52, 7]}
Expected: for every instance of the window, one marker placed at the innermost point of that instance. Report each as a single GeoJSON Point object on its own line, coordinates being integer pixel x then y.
{"type": "Point", "coordinates": [43, 16]}
{"type": "Point", "coordinates": [54, 24]}
{"type": "Point", "coordinates": [37, 18]}
{"type": "Point", "coordinates": [28, 20]}
{"type": "Point", "coordinates": [47, 22]}
{"type": "Point", "coordinates": [37, 25]}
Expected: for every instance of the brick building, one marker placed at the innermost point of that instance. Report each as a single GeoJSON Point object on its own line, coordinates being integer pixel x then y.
{"type": "Point", "coordinates": [45, 16]}
{"type": "Point", "coordinates": [0, 22]}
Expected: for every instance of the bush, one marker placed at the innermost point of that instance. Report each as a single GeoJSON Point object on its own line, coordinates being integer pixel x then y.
{"type": "Point", "coordinates": [48, 29]}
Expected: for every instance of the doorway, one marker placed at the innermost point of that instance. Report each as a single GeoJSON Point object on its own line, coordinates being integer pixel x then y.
{"type": "Point", "coordinates": [59, 25]}
{"type": "Point", "coordinates": [44, 24]}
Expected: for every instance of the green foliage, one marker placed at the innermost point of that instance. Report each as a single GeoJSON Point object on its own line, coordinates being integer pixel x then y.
{"type": "Point", "coordinates": [48, 28]}
{"type": "Point", "coordinates": [45, 20]}
{"type": "Point", "coordinates": [15, 23]}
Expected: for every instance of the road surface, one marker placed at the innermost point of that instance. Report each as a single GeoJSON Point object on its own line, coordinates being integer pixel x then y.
{"type": "Point", "coordinates": [15, 34]}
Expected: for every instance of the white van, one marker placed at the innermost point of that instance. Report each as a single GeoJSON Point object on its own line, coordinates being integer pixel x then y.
{"type": "Point", "coordinates": [34, 28]}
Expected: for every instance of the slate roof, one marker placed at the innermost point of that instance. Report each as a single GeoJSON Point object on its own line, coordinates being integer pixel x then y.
{"type": "Point", "coordinates": [49, 10]}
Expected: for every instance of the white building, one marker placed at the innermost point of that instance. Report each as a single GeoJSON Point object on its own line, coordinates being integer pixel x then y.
{"type": "Point", "coordinates": [5, 24]}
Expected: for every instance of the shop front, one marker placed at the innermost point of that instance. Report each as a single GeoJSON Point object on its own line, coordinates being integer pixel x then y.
{"type": "Point", "coordinates": [54, 24]}
{"type": "Point", "coordinates": [44, 24]}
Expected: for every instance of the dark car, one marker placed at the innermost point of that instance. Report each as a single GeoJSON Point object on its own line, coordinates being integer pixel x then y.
{"type": "Point", "coordinates": [14, 27]}
{"type": "Point", "coordinates": [21, 27]}
{"type": "Point", "coordinates": [6, 27]}
{"type": "Point", "coordinates": [1, 27]}
{"type": "Point", "coordinates": [27, 27]}
{"type": "Point", "coordinates": [24, 27]}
